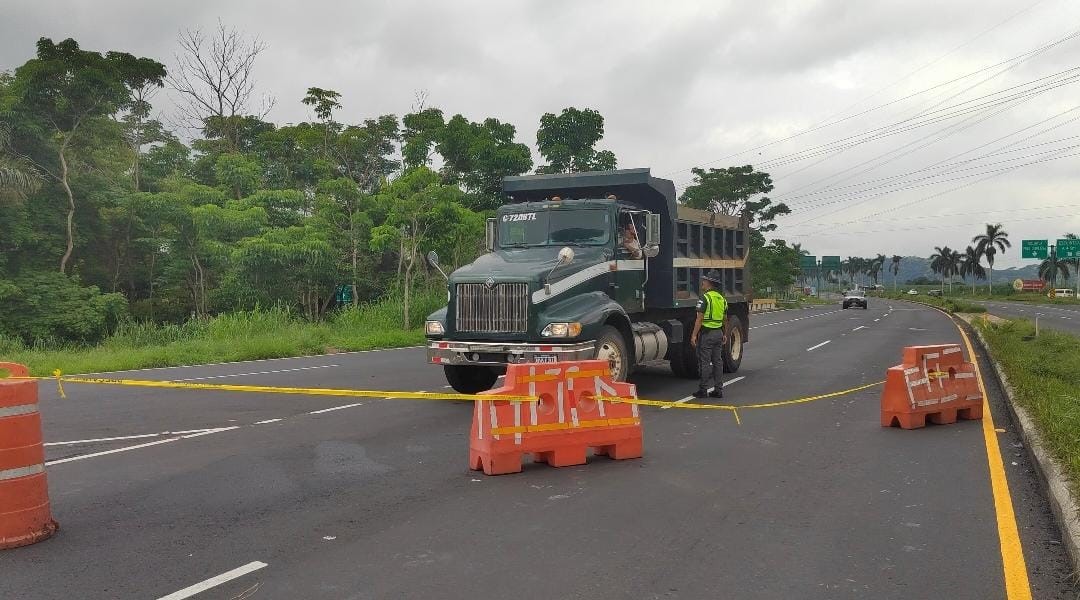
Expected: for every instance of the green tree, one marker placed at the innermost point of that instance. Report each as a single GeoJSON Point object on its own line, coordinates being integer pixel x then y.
{"type": "Point", "coordinates": [775, 267]}
{"type": "Point", "coordinates": [478, 155]}
{"type": "Point", "coordinates": [416, 201]}
{"type": "Point", "coordinates": [895, 268]}
{"type": "Point", "coordinates": [735, 191]}
{"type": "Point", "coordinates": [1075, 264]}
{"type": "Point", "coordinates": [62, 93]}
{"type": "Point", "coordinates": [421, 132]}
{"type": "Point", "coordinates": [939, 262]}
{"type": "Point", "coordinates": [1051, 268]}
{"type": "Point", "coordinates": [568, 142]}
{"type": "Point", "coordinates": [988, 244]}
{"type": "Point", "coordinates": [971, 266]}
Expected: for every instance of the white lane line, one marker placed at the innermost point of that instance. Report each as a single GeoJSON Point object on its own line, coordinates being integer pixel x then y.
{"type": "Point", "coordinates": [241, 362]}
{"type": "Point", "coordinates": [818, 346]}
{"type": "Point", "coordinates": [333, 408]}
{"type": "Point", "coordinates": [125, 437]}
{"type": "Point", "coordinates": [267, 421]}
{"type": "Point", "coordinates": [257, 373]}
{"type": "Point", "coordinates": [689, 398]}
{"type": "Point", "coordinates": [108, 439]}
{"type": "Point", "coordinates": [210, 432]}
{"type": "Point", "coordinates": [859, 327]}
{"type": "Point", "coordinates": [214, 581]}
{"type": "Point", "coordinates": [793, 320]}
{"type": "Point", "coordinates": [876, 320]}
{"type": "Point", "coordinates": [96, 454]}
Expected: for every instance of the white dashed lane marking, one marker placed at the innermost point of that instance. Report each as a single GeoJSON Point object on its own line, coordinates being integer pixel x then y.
{"type": "Point", "coordinates": [689, 398]}
{"type": "Point", "coordinates": [818, 346]}
{"type": "Point", "coordinates": [213, 582]}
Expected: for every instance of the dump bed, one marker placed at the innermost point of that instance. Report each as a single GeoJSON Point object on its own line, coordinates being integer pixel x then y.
{"type": "Point", "coordinates": [705, 241]}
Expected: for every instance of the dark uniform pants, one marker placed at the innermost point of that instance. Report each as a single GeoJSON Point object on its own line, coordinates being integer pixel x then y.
{"type": "Point", "coordinates": [710, 349]}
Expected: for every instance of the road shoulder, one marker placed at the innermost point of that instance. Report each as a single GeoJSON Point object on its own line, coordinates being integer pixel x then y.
{"type": "Point", "coordinates": [1063, 503]}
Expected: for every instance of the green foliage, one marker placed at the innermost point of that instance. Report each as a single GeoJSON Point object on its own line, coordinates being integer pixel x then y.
{"type": "Point", "coordinates": [735, 191]}
{"type": "Point", "coordinates": [1042, 372]}
{"type": "Point", "coordinates": [568, 142]}
{"type": "Point", "coordinates": [774, 265]}
{"type": "Point", "coordinates": [479, 155]}
{"type": "Point", "coordinates": [49, 306]}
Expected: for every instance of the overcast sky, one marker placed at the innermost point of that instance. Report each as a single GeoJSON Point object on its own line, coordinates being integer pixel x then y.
{"type": "Point", "coordinates": [684, 84]}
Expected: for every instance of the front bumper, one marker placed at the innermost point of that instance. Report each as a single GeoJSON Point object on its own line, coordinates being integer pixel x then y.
{"type": "Point", "coordinates": [859, 303]}
{"type": "Point", "coordinates": [503, 353]}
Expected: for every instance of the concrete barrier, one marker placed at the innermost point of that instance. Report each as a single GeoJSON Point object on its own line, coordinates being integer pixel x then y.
{"type": "Point", "coordinates": [763, 304]}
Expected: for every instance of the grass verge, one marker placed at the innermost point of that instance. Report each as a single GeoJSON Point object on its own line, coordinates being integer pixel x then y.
{"type": "Point", "coordinates": [1043, 372]}
{"type": "Point", "coordinates": [270, 333]}
{"type": "Point", "coordinates": [953, 305]}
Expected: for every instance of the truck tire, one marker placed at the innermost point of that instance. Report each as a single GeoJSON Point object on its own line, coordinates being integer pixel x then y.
{"type": "Point", "coordinates": [469, 379]}
{"type": "Point", "coordinates": [733, 349]}
{"type": "Point", "coordinates": [611, 346]}
{"type": "Point", "coordinates": [684, 359]}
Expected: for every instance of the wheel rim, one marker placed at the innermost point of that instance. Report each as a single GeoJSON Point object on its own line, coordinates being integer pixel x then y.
{"type": "Point", "coordinates": [736, 345]}
{"type": "Point", "coordinates": [610, 352]}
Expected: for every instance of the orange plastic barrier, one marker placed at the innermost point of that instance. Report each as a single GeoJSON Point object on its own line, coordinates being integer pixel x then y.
{"type": "Point", "coordinates": [25, 517]}
{"type": "Point", "coordinates": [933, 384]}
{"type": "Point", "coordinates": [558, 430]}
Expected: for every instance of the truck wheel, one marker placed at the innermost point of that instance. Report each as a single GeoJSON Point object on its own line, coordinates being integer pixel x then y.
{"type": "Point", "coordinates": [734, 346]}
{"type": "Point", "coordinates": [684, 361]}
{"type": "Point", "coordinates": [611, 346]}
{"type": "Point", "coordinates": [684, 358]}
{"type": "Point", "coordinates": [467, 379]}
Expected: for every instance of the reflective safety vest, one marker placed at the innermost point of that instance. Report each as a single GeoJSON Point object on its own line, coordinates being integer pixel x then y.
{"type": "Point", "coordinates": [715, 307]}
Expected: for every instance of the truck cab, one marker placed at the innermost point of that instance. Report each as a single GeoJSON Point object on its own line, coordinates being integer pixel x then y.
{"type": "Point", "coordinates": [579, 266]}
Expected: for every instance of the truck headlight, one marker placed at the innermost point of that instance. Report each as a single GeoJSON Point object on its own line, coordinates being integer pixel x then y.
{"type": "Point", "coordinates": [434, 328]}
{"type": "Point", "coordinates": [562, 330]}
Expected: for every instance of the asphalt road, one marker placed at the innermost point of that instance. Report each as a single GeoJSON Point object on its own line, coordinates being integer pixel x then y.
{"type": "Point", "coordinates": [1052, 316]}
{"type": "Point", "coordinates": [319, 497]}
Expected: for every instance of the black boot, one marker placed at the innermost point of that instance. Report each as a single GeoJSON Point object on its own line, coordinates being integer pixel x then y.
{"type": "Point", "coordinates": [718, 392]}
{"type": "Point", "coordinates": [701, 394]}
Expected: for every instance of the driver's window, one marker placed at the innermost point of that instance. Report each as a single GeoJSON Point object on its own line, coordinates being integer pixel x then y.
{"type": "Point", "coordinates": [631, 228]}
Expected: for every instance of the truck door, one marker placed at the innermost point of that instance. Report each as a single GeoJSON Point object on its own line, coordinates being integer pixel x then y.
{"type": "Point", "coordinates": [630, 261]}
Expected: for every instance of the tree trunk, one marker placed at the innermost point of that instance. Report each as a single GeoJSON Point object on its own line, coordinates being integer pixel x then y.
{"type": "Point", "coordinates": [990, 281]}
{"type": "Point", "coordinates": [71, 208]}
{"type": "Point", "coordinates": [355, 258]}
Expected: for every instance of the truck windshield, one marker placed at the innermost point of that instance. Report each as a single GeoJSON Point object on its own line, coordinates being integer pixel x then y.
{"type": "Point", "coordinates": [554, 228]}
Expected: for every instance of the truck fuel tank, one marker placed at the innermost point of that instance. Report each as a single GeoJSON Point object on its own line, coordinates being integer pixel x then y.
{"type": "Point", "coordinates": [650, 342]}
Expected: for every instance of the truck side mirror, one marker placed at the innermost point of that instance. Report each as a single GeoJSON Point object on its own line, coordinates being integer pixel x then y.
{"type": "Point", "coordinates": [566, 256]}
{"type": "Point", "coordinates": [489, 235]}
{"type": "Point", "coordinates": [652, 229]}
{"type": "Point", "coordinates": [433, 260]}
{"type": "Point", "coordinates": [652, 235]}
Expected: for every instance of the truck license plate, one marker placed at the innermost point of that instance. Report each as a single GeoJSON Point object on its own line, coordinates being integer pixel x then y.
{"type": "Point", "coordinates": [546, 358]}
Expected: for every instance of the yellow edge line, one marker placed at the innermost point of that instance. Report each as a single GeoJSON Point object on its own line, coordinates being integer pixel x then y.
{"type": "Point", "coordinates": [1017, 586]}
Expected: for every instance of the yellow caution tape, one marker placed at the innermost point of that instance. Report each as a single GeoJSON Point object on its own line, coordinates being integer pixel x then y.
{"type": "Point", "coordinates": [383, 394]}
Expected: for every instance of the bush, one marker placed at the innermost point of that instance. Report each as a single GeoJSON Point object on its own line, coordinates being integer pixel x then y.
{"type": "Point", "coordinates": [45, 307]}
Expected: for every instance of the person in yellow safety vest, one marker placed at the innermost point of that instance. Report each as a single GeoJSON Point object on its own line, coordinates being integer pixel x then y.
{"type": "Point", "coordinates": [708, 336]}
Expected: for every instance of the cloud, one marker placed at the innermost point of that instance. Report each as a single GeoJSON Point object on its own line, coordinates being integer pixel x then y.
{"type": "Point", "coordinates": [680, 84]}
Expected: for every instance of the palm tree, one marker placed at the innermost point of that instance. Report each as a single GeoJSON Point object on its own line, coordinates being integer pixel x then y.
{"type": "Point", "coordinates": [896, 258]}
{"type": "Point", "coordinates": [1051, 267]}
{"type": "Point", "coordinates": [1075, 264]}
{"type": "Point", "coordinates": [988, 244]}
{"type": "Point", "coordinates": [939, 262]}
{"type": "Point", "coordinates": [876, 265]}
{"type": "Point", "coordinates": [970, 266]}
{"type": "Point", "coordinates": [953, 265]}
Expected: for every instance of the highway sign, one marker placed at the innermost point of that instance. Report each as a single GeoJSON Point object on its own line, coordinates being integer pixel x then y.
{"type": "Point", "coordinates": [830, 262]}
{"type": "Point", "coordinates": [808, 262]}
{"type": "Point", "coordinates": [1033, 249]}
{"type": "Point", "coordinates": [1068, 248]}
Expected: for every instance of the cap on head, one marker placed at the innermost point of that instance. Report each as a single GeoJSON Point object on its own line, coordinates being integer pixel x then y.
{"type": "Point", "coordinates": [713, 276]}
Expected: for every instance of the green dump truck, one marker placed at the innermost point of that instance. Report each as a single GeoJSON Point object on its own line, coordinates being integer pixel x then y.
{"type": "Point", "coordinates": [591, 265]}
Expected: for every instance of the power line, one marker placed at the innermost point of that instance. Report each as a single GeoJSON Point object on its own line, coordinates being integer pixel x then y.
{"type": "Point", "coordinates": [811, 129]}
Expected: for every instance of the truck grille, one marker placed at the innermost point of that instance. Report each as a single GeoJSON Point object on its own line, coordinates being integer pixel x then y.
{"type": "Point", "coordinates": [503, 308]}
